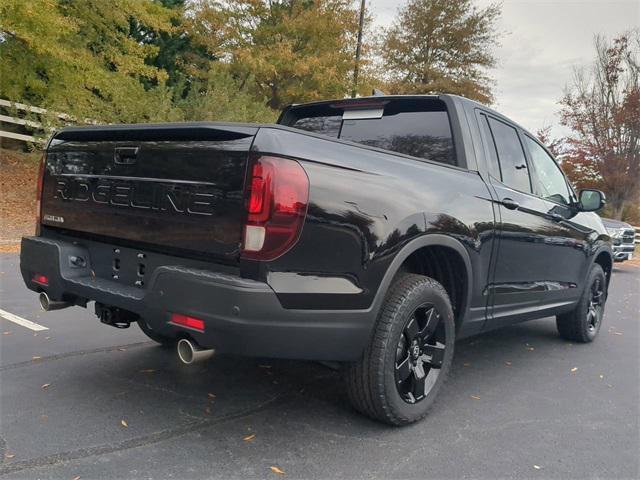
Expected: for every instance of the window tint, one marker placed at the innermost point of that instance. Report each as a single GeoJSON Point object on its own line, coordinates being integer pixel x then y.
{"type": "Point", "coordinates": [325, 125]}
{"type": "Point", "coordinates": [549, 180]}
{"type": "Point", "coordinates": [493, 165]}
{"type": "Point", "coordinates": [513, 164]}
{"type": "Point", "coordinates": [416, 127]}
{"type": "Point", "coordinates": [420, 134]}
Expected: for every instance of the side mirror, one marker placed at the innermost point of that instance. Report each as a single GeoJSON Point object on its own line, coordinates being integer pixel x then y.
{"type": "Point", "coordinates": [591, 200]}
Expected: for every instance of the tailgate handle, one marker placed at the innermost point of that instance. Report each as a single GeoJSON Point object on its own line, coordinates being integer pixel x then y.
{"type": "Point", "coordinates": [125, 155]}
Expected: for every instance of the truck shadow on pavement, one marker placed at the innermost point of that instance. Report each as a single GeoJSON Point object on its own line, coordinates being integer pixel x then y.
{"type": "Point", "coordinates": [100, 402]}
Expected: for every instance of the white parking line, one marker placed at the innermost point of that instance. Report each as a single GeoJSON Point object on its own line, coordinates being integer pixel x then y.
{"type": "Point", "coordinates": [22, 321]}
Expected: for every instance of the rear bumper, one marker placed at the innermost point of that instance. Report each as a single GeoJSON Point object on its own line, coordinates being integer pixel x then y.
{"type": "Point", "coordinates": [241, 316]}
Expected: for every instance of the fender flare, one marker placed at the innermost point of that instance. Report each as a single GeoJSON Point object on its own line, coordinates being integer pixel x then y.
{"type": "Point", "coordinates": [426, 240]}
{"type": "Point", "coordinates": [602, 249]}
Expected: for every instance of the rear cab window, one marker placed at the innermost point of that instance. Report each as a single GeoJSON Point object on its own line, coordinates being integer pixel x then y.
{"type": "Point", "coordinates": [416, 127]}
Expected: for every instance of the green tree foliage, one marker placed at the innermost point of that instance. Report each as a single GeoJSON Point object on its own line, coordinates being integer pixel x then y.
{"type": "Point", "coordinates": [221, 97]}
{"type": "Point", "coordinates": [160, 60]}
{"type": "Point", "coordinates": [442, 46]}
{"type": "Point", "coordinates": [87, 58]}
{"type": "Point", "coordinates": [288, 50]}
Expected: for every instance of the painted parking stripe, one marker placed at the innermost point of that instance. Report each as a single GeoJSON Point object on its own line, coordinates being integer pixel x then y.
{"type": "Point", "coordinates": [22, 321]}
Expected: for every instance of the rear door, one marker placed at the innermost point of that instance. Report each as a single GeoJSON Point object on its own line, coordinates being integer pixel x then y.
{"type": "Point", "coordinates": [171, 186]}
{"type": "Point", "coordinates": [534, 267]}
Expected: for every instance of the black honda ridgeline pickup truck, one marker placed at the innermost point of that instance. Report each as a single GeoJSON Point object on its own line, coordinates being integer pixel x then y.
{"type": "Point", "coordinates": [371, 231]}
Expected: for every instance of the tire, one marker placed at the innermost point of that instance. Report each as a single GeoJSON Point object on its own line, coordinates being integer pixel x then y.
{"type": "Point", "coordinates": [161, 339]}
{"type": "Point", "coordinates": [583, 323]}
{"type": "Point", "coordinates": [377, 384]}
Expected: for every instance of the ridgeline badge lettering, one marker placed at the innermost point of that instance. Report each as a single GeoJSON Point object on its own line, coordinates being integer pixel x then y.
{"type": "Point", "coordinates": [185, 199]}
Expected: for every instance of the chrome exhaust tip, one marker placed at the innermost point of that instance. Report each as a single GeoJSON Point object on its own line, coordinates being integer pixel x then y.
{"type": "Point", "coordinates": [47, 304]}
{"type": "Point", "coordinates": [189, 352]}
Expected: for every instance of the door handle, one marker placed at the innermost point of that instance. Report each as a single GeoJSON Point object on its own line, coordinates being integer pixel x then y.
{"type": "Point", "coordinates": [510, 204]}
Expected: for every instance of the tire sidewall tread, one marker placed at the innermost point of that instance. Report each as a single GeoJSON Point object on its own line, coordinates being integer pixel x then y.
{"type": "Point", "coordinates": [370, 381]}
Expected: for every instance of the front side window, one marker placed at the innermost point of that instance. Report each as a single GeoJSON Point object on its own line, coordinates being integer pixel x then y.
{"type": "Point", "coordinates": [513, 164]}
{"type": "Point", "coordinates": [550, 182]}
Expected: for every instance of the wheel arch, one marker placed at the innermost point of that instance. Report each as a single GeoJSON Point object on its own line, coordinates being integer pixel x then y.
{"type": "Point", "coordinates": [604, 258]}
{"type": "Point", "coordinates": [403, 262]}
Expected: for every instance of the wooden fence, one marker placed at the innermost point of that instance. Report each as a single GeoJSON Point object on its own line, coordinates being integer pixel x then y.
{"type": "Point", "coordinates": [27, 126]}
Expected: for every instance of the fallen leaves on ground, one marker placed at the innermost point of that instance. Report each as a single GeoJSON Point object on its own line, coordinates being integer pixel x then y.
{"type": "Point", "coordinates": [475, 397]}
{"type": "Point", "coordinates": [36, 358]}
{"type": "Point", "coordinates": [124, 423]}
{"type": "Point", "coordinates": [6, 333]}
{"type": "Point", "coordinates": [45, 386]}
{"type": "Point", "coordinates": [147, 370]}
{"type": "Point", "coordinates": [9, 455]}
{"type": "Point", "coordinates": [277, 470]}
{"type": "Point", "coordinates": [211, 395]}
{"type": "Point", "coordinates": [508, 364]}
{"type": "Point", "coordinates": [574, 370]}
{"type": "Point", "coordinates": [248, 438]}
{"type": "Point", "coordinates": [466, 364]}
{"type": "Point", "coordinates": [77, 477]}
{"type": "Point", "coordinates": [537, 467]}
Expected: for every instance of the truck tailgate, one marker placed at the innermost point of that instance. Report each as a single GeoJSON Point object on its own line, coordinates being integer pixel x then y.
{"type": "Point", "coordinates": [171, 185]}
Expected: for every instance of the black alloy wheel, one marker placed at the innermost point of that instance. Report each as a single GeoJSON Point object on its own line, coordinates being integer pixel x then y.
{"type": "Point", "coordinates": [595, 309]}
{"type": "Point", "coordinates": [419, 353]}
{"type": "Point", "coordinates": [583, 323]}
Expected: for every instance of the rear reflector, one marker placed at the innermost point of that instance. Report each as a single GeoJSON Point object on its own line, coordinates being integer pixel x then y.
{"type": "Point", "coordinates": [186, 321]}
{"type": "Point", "coordinates": [40, 279]}
{"type": "Point", "coordinates": [277, 198]}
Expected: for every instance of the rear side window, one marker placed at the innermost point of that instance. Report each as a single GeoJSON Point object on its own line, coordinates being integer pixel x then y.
{"type": "Point", "coordinates": [513, 164]}
{"type": "Point", "coordinates": [417, 128]}
{"type": "Point", "coordinates": [492, 160]}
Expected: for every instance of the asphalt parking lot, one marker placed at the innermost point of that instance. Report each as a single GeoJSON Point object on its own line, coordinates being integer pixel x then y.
{"type": "Point", "coordinates": [83, 400]}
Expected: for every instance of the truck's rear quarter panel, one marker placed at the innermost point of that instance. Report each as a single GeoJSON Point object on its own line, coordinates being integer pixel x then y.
{"type": "Point", "coordinates": [364, 206]}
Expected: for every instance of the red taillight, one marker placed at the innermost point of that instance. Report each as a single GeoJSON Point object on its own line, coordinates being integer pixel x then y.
{"type": "Point", "coordinates": [39, 193]}
{"type": "Point", "coordinates": [40, 279]}
{"type": "Point", "coordinates": [277, 201]}
{"type": "Point", "coordinates": [186, 321]}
